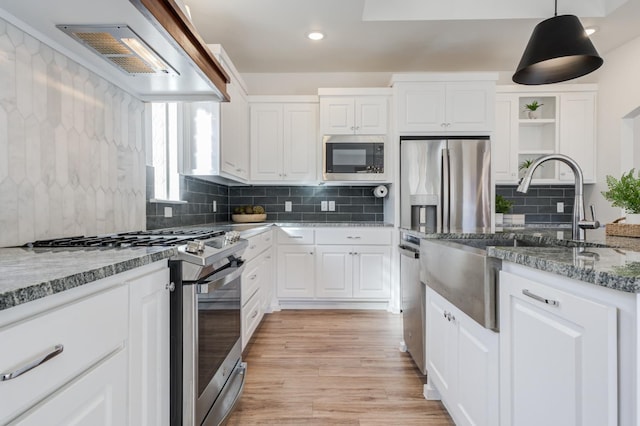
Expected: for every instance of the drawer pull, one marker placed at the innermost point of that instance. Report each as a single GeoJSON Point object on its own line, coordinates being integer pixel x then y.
{"type": "Point", "coordinates": [295, 236]}
{"type": "Point", "coordinates": [353, 237]}
{"type": "Point", "coordinates": [253, 277]}
{"type": "Point", "coordinates": [255, 314]}
{"type": "Point", "coordinates": [39, 360]}
{"type": "Point", "coordinates": [540, 299]}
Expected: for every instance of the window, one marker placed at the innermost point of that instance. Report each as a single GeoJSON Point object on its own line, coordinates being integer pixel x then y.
{"type": "Point", "coordinates": [165, 125]}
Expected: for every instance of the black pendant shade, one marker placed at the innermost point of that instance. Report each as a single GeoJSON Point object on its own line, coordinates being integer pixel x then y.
{"type": "Point", "coordinates": [559, 50]}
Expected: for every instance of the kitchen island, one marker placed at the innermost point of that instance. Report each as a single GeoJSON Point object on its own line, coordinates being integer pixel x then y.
{"type": "Point", "coordinates": [568, 333]}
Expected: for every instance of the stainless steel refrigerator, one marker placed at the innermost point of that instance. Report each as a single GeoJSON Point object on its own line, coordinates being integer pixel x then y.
{"type": "Point", "coordinates": [445, 183]}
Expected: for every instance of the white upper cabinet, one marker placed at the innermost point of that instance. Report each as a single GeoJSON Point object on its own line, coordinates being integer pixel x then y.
{"type": "Point", "coordinates": [577, 133]}
{"type": "Point", "coordinates": [445, 102]}
{"type": "Point", "coordinates": [564, 123]}
{"type": "Point", "coordinates": [504, 154]}
{"type": "Point", "coordinates": [234, 133]}
{"type": "Point", "coordinates": [284, 141]}
{"type": "Point", "coordinates": [353, 115]}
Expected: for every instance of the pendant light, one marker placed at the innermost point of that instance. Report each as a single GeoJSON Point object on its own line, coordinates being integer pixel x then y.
{"type": "Point", "coordinates": [558, 50]}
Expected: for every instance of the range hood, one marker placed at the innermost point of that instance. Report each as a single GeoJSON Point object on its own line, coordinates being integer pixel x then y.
{"type": "Point", "coordinates": [147, 47]}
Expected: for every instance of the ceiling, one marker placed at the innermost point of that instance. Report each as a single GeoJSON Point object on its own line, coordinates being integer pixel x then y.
{"type": "Point", "coordinates": [268, 36]}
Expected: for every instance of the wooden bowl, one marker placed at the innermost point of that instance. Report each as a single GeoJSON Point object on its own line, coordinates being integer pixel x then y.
{"type": "Point", "coordinates": [248, 218]}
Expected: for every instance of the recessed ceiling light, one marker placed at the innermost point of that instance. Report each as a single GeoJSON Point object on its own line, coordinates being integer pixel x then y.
{"type": "Point", "coordinates": [590, 30]}
{"type": "Point", "coordinates": [315, 35]}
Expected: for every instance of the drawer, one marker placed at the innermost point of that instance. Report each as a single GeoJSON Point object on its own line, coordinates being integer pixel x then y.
{"type": "Point", "coordinates": [250, 279]}
{"type": "Point", "coordinates": [251, 317]}
{"type": "Point", "coordinates": [295, 236]}
{"type": "Point", "coordinates": [354, 236]}
{"type": "Point", "coordinates": [258, 244]}
{"type": "Point", "coordinates": [89, 329]}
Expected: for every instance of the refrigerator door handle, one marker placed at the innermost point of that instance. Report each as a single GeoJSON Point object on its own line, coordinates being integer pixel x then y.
{"type": "Point", "coordinates": [445, 191]}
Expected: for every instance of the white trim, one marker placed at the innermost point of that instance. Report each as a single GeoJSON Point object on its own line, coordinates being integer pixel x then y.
{"type": "Point", "coordinates": [545, 89]}
{"type": "Point", "coordinates": [330, 304]}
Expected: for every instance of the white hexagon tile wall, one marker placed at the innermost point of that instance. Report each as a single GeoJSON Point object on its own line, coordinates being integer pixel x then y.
{"type": "Point", "coordinates": [71, 147]}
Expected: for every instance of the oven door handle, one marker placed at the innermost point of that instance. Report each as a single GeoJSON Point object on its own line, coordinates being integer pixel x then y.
{"type": "Point", "coordinates": [218, 279]}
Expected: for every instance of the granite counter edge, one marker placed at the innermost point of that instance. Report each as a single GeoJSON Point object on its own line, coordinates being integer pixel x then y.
{"type": "Point", "coordinates": [16, 297]}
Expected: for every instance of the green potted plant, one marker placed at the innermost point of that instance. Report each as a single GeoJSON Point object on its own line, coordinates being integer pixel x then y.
{"type": "Point", "coordinates": [502, 206]}
{"type": "Point", "coordinates": [625, 193]}
{"type": "Point", "coordinates": [532, 109]}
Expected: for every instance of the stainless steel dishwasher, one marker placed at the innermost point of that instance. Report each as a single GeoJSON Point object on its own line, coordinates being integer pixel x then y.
{"type": "Point", "coordinates": [413, 300]}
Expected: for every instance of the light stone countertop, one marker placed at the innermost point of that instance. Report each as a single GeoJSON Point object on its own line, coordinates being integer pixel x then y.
{"type": "Point", "coordinates": [28, 274]}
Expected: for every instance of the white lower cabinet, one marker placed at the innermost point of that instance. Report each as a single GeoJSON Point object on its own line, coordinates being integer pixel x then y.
{"type": "Point", "coordinates": [97, 397]}
{"type": "Point", "coordinates": [149, 349]}
{"type": "Point", "coordinates": [344, 264]}
{"type": "Point", "coordinates": [113, 368]}
{"type": "Point", "coordinates": [462, 363]}
{"type": "Point", "coordinates": [295, 272]}
{"type": "Point", "coordinates": [352, 272]}
{"type": "Point", "coordinates": [257, 283]}
{"type": "Point", "coordinates": [558, 356]}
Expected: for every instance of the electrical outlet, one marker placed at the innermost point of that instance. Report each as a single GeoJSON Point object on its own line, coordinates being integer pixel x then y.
{"type": "Point", "coordinates": [287, 206]}
{"type": "Point", "coordinates": [215, 206]}
{"type": "Point", "coordinates": [323, 206]}
{"type": "Point", "coordinates": [560, 207]}
{"type": "Point", "coordinates": [332, 206]}
{"type": "Point", "coordinates": [168, 212]}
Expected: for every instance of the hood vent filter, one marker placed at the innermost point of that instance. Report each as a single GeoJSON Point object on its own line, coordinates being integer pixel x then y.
{"type": "Point", "coordinates": [120, 46]}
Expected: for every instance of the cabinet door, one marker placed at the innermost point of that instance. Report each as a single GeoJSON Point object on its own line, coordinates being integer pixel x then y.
{"type": "Point", "coordinates": [300, 141]}
{"type": "Point", "coordinates": [504, 150]}
{"type": "Point", "coordinates": [296, 276]}
{"type": "Point", "coordinates": [558, 362]}
{"type": "Point", "coordinates": [234, 133]}
{"type": "Point", "coordinates": [149, 349]}
{"type": "Point", "coordinates": [372, 272]}
{"type": "Point", "coordinates": [470, 106]}
{"type": "Point", "coordinates": [96, 398]}
{"type": "Point", "coordinates": [421, 107]}
{"type": "Point", "coordinates": [477, 387]}
{"type": "Point", "coordinates": [371, 115]}
{"type": "Point", "coordinates": [266, 289]}
{"type": "Point", "coordinates": [266, 141]}
{"type": "Point", "coordinates": [334, 271]}
{"type": "Point", "coordinates": [577, 134]}
{"type": "Point", "coordinates": [442, 360]}
{"type": "Point", "coordinates": [337, 115]}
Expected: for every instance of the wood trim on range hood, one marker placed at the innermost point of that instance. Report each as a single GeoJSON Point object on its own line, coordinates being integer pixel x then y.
{"type": "Point", "coordinates": [168, 18]}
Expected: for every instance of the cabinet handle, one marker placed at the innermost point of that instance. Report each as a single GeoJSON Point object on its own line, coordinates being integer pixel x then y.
{"type": "Point", "coordinates": [231, 164]}
{"type": "Point", "coordinates": [311, 253]}
{"type": "Point", "coordinates": [540, 298]}
{"type": "Point", "coordinates": [448, 316]}
{"type": "Point", "coordinates": [253, 277]}
{"type": "Point", "coordinates": [353, 237]}
{"type": "Point", "coordinates": [171, 286]}
{"type": "Point", "coordinates": [353, 128]}
{"type": "Point", "coordinates": [267, 257]}
{"type": "Point", "coordinates": [295, 236]}
{"type": "Point", "coordinates": [351, 253]}
{"type": "Point", "coordinates": [255, 314]}
{"type": "Point", "coordinates": [238, 170]}
{"type": "Point", "coordinates": [30, 365]}
{"type": "Point", "coordinates": [252, 247]}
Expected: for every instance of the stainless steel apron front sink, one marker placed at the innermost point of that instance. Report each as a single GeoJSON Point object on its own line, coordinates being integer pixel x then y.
{"type": "Point", "coordinates": [460, 271]}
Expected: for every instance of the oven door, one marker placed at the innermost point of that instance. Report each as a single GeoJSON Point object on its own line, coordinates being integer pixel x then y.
{"type": "Point", "coordinates": [212, 346]}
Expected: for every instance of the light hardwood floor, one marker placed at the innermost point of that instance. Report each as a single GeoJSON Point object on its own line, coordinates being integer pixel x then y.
{"type": "Point", "coordinates": [318, 367]}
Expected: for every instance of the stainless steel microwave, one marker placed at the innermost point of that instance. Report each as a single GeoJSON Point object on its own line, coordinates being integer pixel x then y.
{"type": "Point", "coordinates": [353, 157]}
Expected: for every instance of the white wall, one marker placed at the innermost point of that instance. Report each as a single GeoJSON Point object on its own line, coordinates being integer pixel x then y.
{"type": "Point", "coordinates": [71, 147]}
{"type": "Point", "coordinates": [618, 97]}
{"type": "Point", "coordinates": [308, 83]}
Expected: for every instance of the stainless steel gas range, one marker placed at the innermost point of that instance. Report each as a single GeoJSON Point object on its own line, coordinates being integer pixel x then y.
{"type": "Point", "coordinates": [207, 372]}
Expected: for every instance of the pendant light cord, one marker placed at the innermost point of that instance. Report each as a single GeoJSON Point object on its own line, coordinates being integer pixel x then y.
{"type": "Point", "coordinates": [555, 13]}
